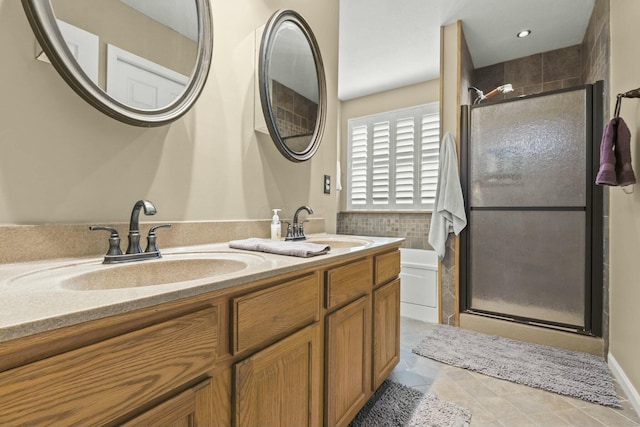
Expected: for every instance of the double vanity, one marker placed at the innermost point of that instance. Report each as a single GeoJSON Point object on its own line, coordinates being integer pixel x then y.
{"type": "Point", "coordinates": [205, 335]}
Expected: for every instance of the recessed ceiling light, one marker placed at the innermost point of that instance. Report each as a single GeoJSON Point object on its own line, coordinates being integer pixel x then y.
{"type": "Point", "coordinates": [523, 33]}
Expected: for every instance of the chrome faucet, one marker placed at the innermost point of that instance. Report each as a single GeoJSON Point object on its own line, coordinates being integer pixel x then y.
{"type": "Point", "coordinates": [134, 225]}
{"type": "Point", "coordinates": [295, 231]}
{"type": "Point", "coordinates": [134, 251]}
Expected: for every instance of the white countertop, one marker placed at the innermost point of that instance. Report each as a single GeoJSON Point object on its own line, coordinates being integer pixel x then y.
{"type": "Point", "coordinates": [34, 298]}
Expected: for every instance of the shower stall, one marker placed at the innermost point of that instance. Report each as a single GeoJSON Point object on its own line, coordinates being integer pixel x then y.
{"type": "Point", "coordinates": [532, 251]}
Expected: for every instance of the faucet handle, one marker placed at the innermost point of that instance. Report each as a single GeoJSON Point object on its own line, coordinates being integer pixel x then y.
{"type": "Point", "coordinates": [152, 245]}
{"type": "Point", "coordinates": [153, 229]}
{"type": "Point", "coordinates": [114, 239]}
{"type": "Point", "coordinates": [301, 229]}
{"type": "Point", "coordinates": [289, 230]}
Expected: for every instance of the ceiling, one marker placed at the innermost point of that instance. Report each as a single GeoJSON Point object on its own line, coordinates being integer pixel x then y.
{"type": "Point", "coordinates": [385, 44]}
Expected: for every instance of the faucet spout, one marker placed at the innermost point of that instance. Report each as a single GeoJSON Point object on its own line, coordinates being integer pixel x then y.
{"type": "Point", "coordinates": [134, 225]}
{"type": "Point", "coordinates": [300, 209]}
{"type": "Point", "coordinates": [296, 230]}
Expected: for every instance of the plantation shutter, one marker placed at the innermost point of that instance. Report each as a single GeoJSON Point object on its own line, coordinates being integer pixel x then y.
{"type": "Point", "coordinates": [393, 160]}
{"type": "Point", "coordinates": [430, 150]}
{"type": "Point", "coordinates": [380, 180]}
{"type": "Point", "coordinates": [405, 159]}
{"type": "Point", "coordinates": [358, 176]}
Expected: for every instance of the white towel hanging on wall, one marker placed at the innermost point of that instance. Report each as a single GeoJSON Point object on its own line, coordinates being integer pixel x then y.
{"type": "Point", "coordinates": [448, 210]}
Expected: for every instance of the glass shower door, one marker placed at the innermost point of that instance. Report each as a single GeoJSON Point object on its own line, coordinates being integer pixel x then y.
{"type": "Point", "coordinates": [528, 194]}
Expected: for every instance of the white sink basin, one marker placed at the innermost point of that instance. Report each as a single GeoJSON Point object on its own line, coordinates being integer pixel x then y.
{"type": "Point", "coordinates": [339, 242]}
{"type": "Point", "coordinates": [172, 268]}
{"type": "Point", "coordinates": [152, 273]}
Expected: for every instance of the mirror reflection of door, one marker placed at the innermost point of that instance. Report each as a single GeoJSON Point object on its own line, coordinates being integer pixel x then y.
{"type": "Point", "coordinates": [293, 84]}
{"type": "Point", "coordinates": [161, 34]}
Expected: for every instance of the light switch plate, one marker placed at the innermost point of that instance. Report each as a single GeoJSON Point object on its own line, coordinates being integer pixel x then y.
{"type": "Point", "coordinates": [327, 184]}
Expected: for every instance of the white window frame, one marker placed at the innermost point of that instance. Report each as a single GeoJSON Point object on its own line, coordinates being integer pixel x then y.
{"type": "Point", "coordinates": [389, 172]}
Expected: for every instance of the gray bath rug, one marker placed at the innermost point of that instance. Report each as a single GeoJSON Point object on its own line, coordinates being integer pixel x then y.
{"type": "Point", "coordinates": [396, 405]}
{"type": "Point", "coordinates": [570, 373]}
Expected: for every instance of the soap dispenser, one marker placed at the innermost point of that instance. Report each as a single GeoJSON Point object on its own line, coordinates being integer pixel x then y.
{"type": "Point", "coordinates": [276, 227]}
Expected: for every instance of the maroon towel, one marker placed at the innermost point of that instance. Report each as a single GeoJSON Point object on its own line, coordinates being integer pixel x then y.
{"type": "Point", "coordinates": [615, 155]}
{"type": "Point", "coordinates": [607, 173]}
{"type": "Point", "coordinates": [624, 170]}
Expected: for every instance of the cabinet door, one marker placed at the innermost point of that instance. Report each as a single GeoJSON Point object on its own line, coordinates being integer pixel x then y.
{"type": "Point", "coordinates": [348, 361]}
{"type": "Point", "coordinates": [282, 384]}
{"type": "Point", "coordinates": [386, 331]}
{"type": "Point", "coordinates": [188, 409]}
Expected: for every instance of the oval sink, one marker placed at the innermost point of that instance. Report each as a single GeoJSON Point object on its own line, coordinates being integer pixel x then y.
{"type": "Point", "coordinates": [152, 273]}
{"type": "Point", "coordinates": [172, 268]}
{"type": "Point", "coordinates": [339, 242]}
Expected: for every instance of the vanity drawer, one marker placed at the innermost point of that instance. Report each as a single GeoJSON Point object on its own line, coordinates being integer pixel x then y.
{"type": "Point", "coordinates": [387, 267]}
{"type": "Point", "coordinates": [349, 281]}
{"type": "Point", "coordinates": [261, 317]}
{"type": "Point", "coordinates": [95, 385]}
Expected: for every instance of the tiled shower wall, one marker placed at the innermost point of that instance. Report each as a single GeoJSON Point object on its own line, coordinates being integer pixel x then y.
{"type": "Point", "coordinates": [542, 72]}
{"type": "Point", "coordinates": [414, 227]}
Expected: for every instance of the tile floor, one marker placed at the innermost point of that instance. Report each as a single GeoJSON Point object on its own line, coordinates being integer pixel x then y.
{"type": "Point", "coordinates": [495, 402]}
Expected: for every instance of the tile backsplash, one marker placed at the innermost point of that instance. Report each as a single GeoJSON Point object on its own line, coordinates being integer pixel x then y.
{"type": "Point", "coordinates": [414, 227]}
{"type": "Point", "coordinates": [24, 243]}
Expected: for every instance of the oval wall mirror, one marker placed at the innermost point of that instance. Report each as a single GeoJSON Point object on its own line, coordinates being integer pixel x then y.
{"type": "Point", "coordinates": [292, 85]}
{"type": "Point", "coordinates": [143, 62]}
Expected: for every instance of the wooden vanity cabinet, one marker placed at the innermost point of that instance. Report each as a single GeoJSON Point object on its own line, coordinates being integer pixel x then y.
{"type": "Point", "coordinates": [307, 348]}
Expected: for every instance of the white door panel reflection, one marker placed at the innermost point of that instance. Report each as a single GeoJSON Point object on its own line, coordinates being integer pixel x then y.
{"type": "Point", "coordinates": [141, 83]}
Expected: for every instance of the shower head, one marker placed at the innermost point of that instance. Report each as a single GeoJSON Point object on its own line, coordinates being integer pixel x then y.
{"type": "Point", "coordinates": [505, 88]}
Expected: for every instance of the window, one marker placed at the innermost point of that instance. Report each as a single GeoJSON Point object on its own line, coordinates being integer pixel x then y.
{"type": "Point", "coordinates": [393, 159]}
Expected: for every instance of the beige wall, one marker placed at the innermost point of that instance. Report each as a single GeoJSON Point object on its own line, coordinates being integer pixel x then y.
{"type": "Point", "coordinates": [395, 99]}
{"type": "Point", "coordinates": [62, 161]}
{"type": "Point", "coordinates": [624, 294]}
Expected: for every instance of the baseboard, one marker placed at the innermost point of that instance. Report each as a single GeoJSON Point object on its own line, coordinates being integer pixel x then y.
{"type": "Point", "coordinates": [625, 383]}
{"type": "Point", "coordinates": [419, 312]}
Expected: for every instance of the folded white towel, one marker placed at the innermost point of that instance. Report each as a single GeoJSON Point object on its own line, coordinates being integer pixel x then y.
{"type": "Point", "coordinates": [279, 247]}
{"type": "Point", "coordinates": [448, 211]}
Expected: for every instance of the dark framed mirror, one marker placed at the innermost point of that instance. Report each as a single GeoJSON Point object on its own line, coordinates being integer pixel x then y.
{"type": "Point", "coordinates": [143, 62]}
{"type": "Point", "coordinates": [292, 85]}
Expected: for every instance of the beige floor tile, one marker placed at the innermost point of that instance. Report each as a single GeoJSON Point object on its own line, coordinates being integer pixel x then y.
{"type": "Point", "coordinates": [527, 405]}
{"type": "Point", "coordinates": [576, 417]}
{"type": "Point", "coordinates": [486, 424]}
{"type": "Point", "coordinates": [499, 407]}
{"type": "Point", "coordinates": [505, 388]}
{"type": "Point", "coordinates": [553, 401]}
{"type": "Point", "coordinates": [549, 420]}
{"type": "Point", "coordinates": [608, 416]}
{"type": "Point", "coordinates": [629, 412]}
{"type": "Point", "coordinates": [449, 390]}
{"type": "Point", "coordinates": [520, 421]}
{"type": "Point", "coordinates": [476, 387]}
{"type": "Point", "coordinates": [479, 415]}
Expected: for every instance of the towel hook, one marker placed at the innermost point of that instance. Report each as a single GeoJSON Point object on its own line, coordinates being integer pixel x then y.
{"type": "Point", "coordinates": [635, 93]}
{"type": "Point", "coordinates": [616, 114]}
